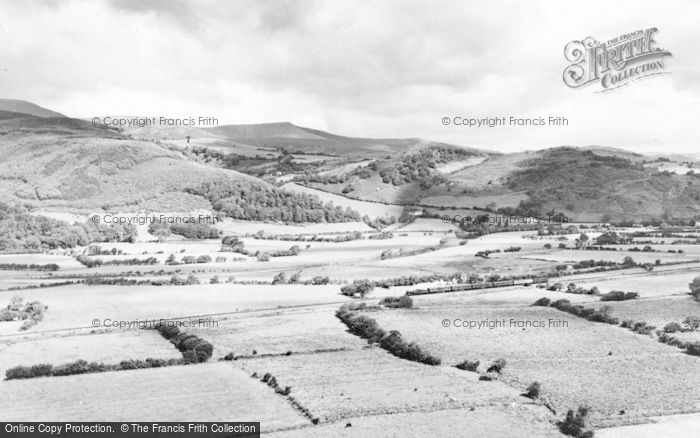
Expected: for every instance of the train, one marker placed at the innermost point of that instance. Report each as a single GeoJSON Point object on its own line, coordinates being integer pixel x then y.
{"type": "Point", "coordinates": [483, 285]}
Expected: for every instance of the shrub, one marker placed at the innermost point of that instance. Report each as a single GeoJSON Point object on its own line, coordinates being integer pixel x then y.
{"type": "Point", "coordinates": [367, 328]}
{"type": "Point", "coordinates": [19, 372]}
{"type": "Point", "coordinates": [691, 323]}
{"type": "Point", "coordinates": [561, 304]}
{"type": "Point", "coordinates": [642, 328]}
{"type": "Point", "coordinates": [468, 365]}
{"type": "Point", "coordinates": [574, 424]}
{"type": "Point", "coordinates": [695, 287]}
{"type": "Point", "coordinates": [497, 366]}
{"type": "Point", "coordinates": [544, 302]}
{"type": "Point", "coordinates": [693, 348]}
{"type": "Point", "coordinates": [533, 391]}
{"type": "Point", "coordinates": [204, 259]}
{"type": "Point", "coordinates": [618, 295]}
{"type": "Point", "coordinates": [672, 327]}
{"type": "Point", "coordinates": [78, 367]}
{"type": "Point", "coordinates": [280, 278]}
{"type": "Point", "coordinates": [628, 323]}
{"type": "Point", "coordinates": [359, 287]}
{"type": "Point", "coordinates": [403, 301]}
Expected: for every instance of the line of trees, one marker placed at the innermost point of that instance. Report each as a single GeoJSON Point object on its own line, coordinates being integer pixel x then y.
{"type": "Point", "coordinates": [250, 201]}
{"type": "Point", "coordinates": [25, 232]}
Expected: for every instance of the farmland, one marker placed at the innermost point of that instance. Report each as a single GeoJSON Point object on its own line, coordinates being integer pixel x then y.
{"type": "Point", "coordinates": [259, 321]}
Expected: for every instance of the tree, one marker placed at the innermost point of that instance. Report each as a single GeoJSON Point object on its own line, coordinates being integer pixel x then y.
{"type": "Point", "coordinates": [280, 278]}
{"type": "Point", "coordinates": [695, 287]}
{"type": "Point", "coordinates": [692, 323]}
{"type": "Point", "coordinates": [533, 391]}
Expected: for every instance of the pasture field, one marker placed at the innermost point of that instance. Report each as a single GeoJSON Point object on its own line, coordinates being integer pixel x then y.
{"type": "Point", "coordinates": [206, 392]}
{"type": "Point", "coordinates": [624, 377]}
{"type": "Point", "coordinates": [453, 344]}
{"type": "Point", "coordinates": [279, 332]}
{"type": "Point", "coordinates": [655, 311]}
{"type": "Point", "coordinates": [109, 348]}
{"type": "Point", "coordinates": [501, 297]}
{"type": "Point", "coordinates": [671, 425]}
{"type": "Point", "coordinates": [75, 306]}
{"type": "Point", "coordinates": [648, 285]}
{"type": "Point", "coordinates": [573, 255]}
{"type": "Point", "coordinates": [619, 389]}
{"type": "Point", "coordinates": [648, 378]}
{"type": "Point", "coordinates": [348, 384]}
{"type": "Point", "coordinates": [479, 422]}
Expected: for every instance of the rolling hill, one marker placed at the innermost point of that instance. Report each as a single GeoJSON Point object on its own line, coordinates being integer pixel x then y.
{"type": "Point", "coordinates": [294, 139]}
{"type": "Point", "coordinates": [68, 163]}
{"type": "Point", "coordinates": [24, 107]}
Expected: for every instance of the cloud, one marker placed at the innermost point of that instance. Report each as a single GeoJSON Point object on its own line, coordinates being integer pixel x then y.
{"type": "Point", "coordinates": [368, 68]}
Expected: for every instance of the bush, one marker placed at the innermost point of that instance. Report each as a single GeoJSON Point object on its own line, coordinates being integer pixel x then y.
{"type": "Point", "coordinates": [533, 391]}
{"type": "Point", "coordinates": [618, 295]}
{"type": "Point", "coordinates": [280, 278]}
{"type": "Point", "coordinates": [497, 366]}
{"type": "Point", "coordinates": [359, 287]}
{"type": "Point", "coordinates": [204, 259]}
{"type": "Point", "coordinates": [367, 328]}
{"type": "Point", "coordinates": [25, 372]}
{"type": "Point", "coordinates": [403, 301]}
{"type": "Point", "coordinates": [672, 327]}
{"type": "Point", "coordinates": [468, 365]}
{"type": "Point", "coordinates": [193, 348]}
{"type": "Point", "coordinates": [693, 349]}
{"type": "Point", "coordinates": [642, 328]}
{"type": "Point", "coordinates": [691, 323]}
{"type": "Point", "coordinates": [695, 287]}
{"type": "Point", "coordinates": [544, 302]}
{"type": "Point", "coordinates": [628, 323]}
{"type": "Point", "coordinates": [574, 424]}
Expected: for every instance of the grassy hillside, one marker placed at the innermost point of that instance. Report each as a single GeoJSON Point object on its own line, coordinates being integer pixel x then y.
{"type": "Point", "coordinates": [24, 107]}
{"type": "Point", "coordinates": [68, 163]}
{"type": "Point", "coordinates": [585, 184]}
{"type": "Point", "coordinates": [590, 186]}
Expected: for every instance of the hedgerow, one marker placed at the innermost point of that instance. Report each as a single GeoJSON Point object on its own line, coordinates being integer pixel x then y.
{"type": "Point", "coordinates": [368, 328]}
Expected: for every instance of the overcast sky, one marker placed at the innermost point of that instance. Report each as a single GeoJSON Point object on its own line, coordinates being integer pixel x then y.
{"type": "Point", "coordinates": [359, 68]}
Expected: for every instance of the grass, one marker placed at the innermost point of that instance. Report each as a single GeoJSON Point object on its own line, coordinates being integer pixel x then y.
{"type": "Point", "coordinates": [480, 422]}
{"type": "Point", "coordinates": [208, 392]}
{"type": "Point", "coordinates": [107, 347]}
{"type": "Point", "coordinates": [341, 385]}
{"type": "Point", "coordinates": [279, 332]}
{"type": "Point", "coordinates": [614, 368]}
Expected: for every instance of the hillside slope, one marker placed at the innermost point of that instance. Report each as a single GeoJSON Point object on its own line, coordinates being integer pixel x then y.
{"type": "Point", "coordinates": [295, 139]}
{"type": "Point", "coordinates": [67, 163]}
{"type": "Point", "coordinates": [585, 184]}
{"type": "Point", "coordinates": [24, 107]}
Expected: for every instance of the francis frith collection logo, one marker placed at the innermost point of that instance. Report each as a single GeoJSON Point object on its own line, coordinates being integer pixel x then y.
{"type": "Point", "coordinates": [616, 62]}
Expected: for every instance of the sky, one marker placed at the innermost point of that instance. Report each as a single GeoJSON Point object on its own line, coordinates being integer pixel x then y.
{"type": "Point", "coordinates": [364, 68]}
